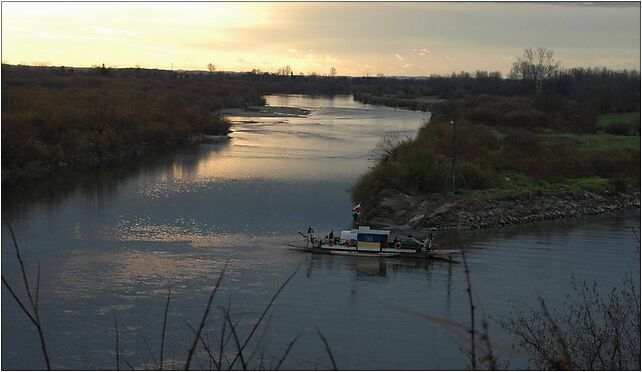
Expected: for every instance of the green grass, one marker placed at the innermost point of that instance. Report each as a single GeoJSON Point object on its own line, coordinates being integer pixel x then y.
{"type": "Point", "coordinates": [600, 141]}
{"type": "Point", "coordinates": [521, 185]}
{"type": "Point", "coordinates": [625, 117]}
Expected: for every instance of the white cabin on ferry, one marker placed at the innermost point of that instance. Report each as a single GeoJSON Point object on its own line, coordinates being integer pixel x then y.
{"type": "Point", "coordinates": [366, 239]}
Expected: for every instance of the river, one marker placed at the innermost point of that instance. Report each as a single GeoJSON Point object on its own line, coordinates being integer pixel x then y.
{"type": "Point", "coordinates": [111, 240]}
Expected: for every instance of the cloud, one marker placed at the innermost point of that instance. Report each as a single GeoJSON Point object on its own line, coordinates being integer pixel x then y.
{"type": "Point", "coordinates": [330, 59]}
{"type": "Point", "coordinates": [399, 57]}
{"type": "Point", "coordinates": [504, 58]}
{"type": "Point", "coordinates": [422, 51]}
{"type": "Point", "coordinates": [292, 50]}
{"type": "Point", "coordinates": [114, 32]}
{"type": "Point", "coordinates": [48, 35]}
{"type": "Point", "coordinates": [406, 65]}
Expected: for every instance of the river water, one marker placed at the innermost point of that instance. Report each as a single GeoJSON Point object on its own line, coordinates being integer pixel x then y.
{"type": "Point", "coordinates": [111, 240]}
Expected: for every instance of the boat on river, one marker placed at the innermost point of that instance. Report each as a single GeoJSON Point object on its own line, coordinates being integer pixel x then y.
{"type": "Point", "coordinates": [367, 242]}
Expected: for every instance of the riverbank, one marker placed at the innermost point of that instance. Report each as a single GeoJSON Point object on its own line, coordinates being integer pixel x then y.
{"type": "Point", "coordinates": [415, 212]}
{"type": "Point", "coordinates": [518, 160]}
{"type": "Point", "coordinates": [58, 118]}
{"type": "Point", "coordinates": [37, 169]}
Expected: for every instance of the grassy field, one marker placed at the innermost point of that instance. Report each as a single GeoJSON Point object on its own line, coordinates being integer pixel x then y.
{"type": "Point", "coordinates": [626, 117]}
{"type": "Point", "coordinates": [514, 155]}
{"type": "Point", "coordinates": [627, 123]}
{"type": "Point", "coordinates": [601, 141]}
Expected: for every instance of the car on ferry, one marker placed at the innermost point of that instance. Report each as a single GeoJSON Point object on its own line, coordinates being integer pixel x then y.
{"type": "Point", "coordinates": [407, 243]}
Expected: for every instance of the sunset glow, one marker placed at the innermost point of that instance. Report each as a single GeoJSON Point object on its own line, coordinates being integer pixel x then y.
{"type": "Point", "coordinates": [356, 38]}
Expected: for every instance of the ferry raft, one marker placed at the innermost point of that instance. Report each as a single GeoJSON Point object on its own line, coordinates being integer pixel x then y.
{"type": "Point", "coordinates": [367, 242]}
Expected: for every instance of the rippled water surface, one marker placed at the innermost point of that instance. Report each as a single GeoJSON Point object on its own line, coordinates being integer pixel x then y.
{"type": "Point", "coordinates": [109, 242]}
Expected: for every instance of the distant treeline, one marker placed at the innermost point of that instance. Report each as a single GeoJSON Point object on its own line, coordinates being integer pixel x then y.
{"type": "Point", "coordinates": [608, 90]}
{"type": "Point", "coordinates": [604, 90]}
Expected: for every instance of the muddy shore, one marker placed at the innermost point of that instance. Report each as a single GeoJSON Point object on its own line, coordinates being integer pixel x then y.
{"type": "Point", "coordinates": [266, 112]}
{"type": "Point", "coordinates": [405, 212]}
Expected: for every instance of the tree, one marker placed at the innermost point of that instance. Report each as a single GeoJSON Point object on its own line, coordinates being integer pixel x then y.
{"type": "Point", "coordinates": [534, 67]}
{"type": "Point", "coordinates": [333, 72]}
{"type": "Point", "coordinates": [285, 71]}
{"type": "Point", "coordinates": [211, 67]}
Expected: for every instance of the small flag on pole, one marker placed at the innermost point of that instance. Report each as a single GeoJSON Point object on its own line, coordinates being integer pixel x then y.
{"type": "Point", "coordinates": [357, 208]}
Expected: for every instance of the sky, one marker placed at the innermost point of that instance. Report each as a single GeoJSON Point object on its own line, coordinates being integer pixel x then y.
{"type": "Point", "coordinates": [358, 39]}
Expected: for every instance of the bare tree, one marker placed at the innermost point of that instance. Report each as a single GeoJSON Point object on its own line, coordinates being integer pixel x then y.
{"type": "Point", "coordinates": [211, 67]}
{"type": "Point", "coordinates": [599, 332]}
{"type": "Point", "coordinates": [333, 72]}
{"type": "Point", "coordinates": [387, 148]}
{"type": "Point", "coordinates": [285, 71]}
{"type": "Point", "coordinates": [535, 66]}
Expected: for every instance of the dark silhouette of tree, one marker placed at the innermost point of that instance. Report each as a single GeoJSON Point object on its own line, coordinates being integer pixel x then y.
{"type": "Point", "coordinates": [285, 71]}
{"type": "Point", "coordinates": [534, 67]}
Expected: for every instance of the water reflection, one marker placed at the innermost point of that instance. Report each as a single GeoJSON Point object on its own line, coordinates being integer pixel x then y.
{"type": "Point", "coordinates": [96, 186]}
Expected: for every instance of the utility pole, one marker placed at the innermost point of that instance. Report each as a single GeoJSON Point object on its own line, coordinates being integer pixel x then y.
{"type": "Point", "coordinates": [454, 161]}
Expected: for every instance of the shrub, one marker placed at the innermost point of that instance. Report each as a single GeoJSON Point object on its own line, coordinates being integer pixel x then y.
{"type": "Point", "coordinates": [476, 176]}
{"type": "Point", "coordinates": [387, 148]}
{"type": "Point", "coordinates": [601, 331]}
{"type": "Point", "coordinates": [550, 103]}
{"type": "Point", "coordinates": [51, 117]}
{"type": "Point", "coordinates": [530, 118]}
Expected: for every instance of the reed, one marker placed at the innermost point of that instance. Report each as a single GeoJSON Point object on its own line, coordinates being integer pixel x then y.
{"type": "Point", "coordinates": [34, 315]}
{"type": "Point", "coordinates": [190, 354]}
{"type": "Point", "coordinates": [162, 345]}
{"type": "Point", "coordinates": [151, 353]}
{"type": "Point", "coordinates": [287, 351]}
{"type": "Point", "coordinates": [116, 346]}
{"type": "Point", "coordinates": [206, 346]}
{"type": "Point", "coordinates": [471, 305]}
{"type": "Point", "coordinates": [258, 322]}
{"type": "Point", "coordinates": [228, 318]}
{"type": "Point", "coordinates": [328, 350]}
